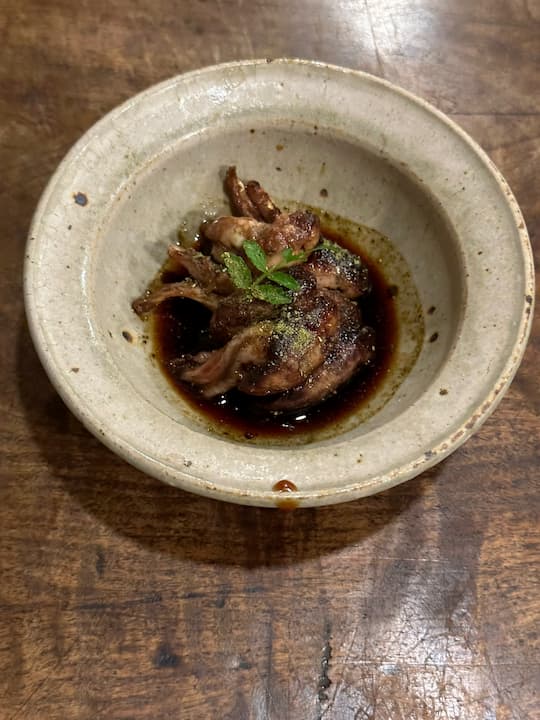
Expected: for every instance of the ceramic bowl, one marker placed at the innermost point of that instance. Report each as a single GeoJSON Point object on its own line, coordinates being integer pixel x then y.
{"type": "Point", "coordinates": [386, 159]}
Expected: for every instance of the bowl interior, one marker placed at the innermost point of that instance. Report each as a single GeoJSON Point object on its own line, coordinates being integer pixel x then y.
{"type": "Point", "coordinates": [294, 162]}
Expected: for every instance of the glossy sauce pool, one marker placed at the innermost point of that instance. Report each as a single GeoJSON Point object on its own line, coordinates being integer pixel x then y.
{"type": "Point", "coordinates": [180, 326]}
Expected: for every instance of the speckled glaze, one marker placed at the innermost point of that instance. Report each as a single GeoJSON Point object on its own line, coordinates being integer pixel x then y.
{"type": "Point", "coordinates": [386, 159]}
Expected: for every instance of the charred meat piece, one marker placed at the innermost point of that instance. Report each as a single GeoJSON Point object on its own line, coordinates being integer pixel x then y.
{"type": "Point", "coordinates": [266, 207]}
{"type": "Point", "coordinates": [250, 200]}
{"type": "Point", "coordinates": [241, 203]}
{"type": "Point", "coordinates": [295, 345]}
{"type": "Point", "coordinates": [236, 312]}
{"type": "Point", "coordinates": [338, 269]}
{"type": "Point", "coordinates": [353, 347]}
{"type": "Point", "coordinates": [220, 370]}
{"type": "Point", "coordinates": [231, 232]}
{"type": "Point", "coordinates": [294, 352]}
{"type": "Point", "coordinates": [209, 275]}
{"type": "Point", "coordinates": [265, 358]}
{"type": "Point", "coordinates": [299, 231]}
{"type": "Point", "coordinates": [184, 289]}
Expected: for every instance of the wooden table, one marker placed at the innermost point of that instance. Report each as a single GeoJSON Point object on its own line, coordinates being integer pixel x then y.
{"type": "Point", "coordinates": [123, 598]}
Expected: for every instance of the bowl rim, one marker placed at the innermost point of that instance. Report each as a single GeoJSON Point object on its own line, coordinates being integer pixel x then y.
{"type": "Point", "coordinates": [193, 483]}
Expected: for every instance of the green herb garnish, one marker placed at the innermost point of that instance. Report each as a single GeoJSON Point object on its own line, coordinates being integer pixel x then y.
{"type": "Point", "coordinates": [238, 270]}
{"type": "Point", "coordinates": [273, 284]}
{"type": "Point", "coordinates": [272, 294]}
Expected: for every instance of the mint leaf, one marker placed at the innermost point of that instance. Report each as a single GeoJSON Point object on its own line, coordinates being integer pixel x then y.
{"type": "Point", "coordinates": [287, 255]}
{"type": "Point", "coordinates": [271, 294]}
{"type": "Point", "coordinates": [269, 285]}
{"type": "Point", "coordinates": [238, 270]}
{"type": "Point", "coordinates": [255, 253]}
{"type": "Point", "coordinates": [284, 279]}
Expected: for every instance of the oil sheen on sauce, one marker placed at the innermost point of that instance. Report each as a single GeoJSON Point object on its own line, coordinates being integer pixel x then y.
{"type": "Point", "coordinates": [180, 326]}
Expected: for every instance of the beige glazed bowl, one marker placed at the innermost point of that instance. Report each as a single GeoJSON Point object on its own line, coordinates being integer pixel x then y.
{"type": "Point", "coordinates": [387, 160]}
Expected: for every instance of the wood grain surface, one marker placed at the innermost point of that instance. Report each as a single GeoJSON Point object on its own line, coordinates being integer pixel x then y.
{"type": "Point", "coordinates": [121, 598]}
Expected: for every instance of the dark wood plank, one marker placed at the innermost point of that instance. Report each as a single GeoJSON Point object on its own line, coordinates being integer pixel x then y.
{"type": "Point", "coordinates": [124, 598]}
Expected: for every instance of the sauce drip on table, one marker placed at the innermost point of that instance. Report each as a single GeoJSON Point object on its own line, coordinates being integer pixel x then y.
{"type": "Point", "coordinates": [284, 487]}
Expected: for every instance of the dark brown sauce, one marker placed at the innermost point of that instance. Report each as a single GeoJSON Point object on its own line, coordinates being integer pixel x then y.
{"type": "Point", "coordinates": [181, 326]}
{"type": "Point", "coordinates": [284, 487]}
{"type": "Point", "coordinates": [287, 504]}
